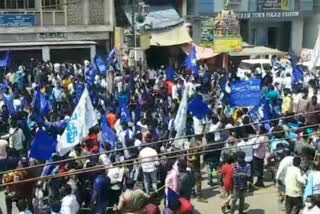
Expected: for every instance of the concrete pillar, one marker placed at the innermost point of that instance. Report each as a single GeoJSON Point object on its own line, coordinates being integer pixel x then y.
{"type": "Point", "coordinates": [92, 52]}
{"type": "Point", "coordinates": [261, 36]}
{"type": "Point", "coordinates": [184, 8]}
{"type": "Point", "coordinates": [37, 4]}
{"type": "Point", "coordinates": [296, 35]}
{"type": "Point", "coordinates": [45, 53]}
{"type": "Point", "coordinates": [85, 12]}
{"type": "Point", "coordinates": [109, 12]}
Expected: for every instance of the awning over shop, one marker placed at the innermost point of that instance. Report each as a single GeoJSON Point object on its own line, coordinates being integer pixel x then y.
{"type": "Point", "coordinates": [257, 51]}
{"type": "Point", "coordinates": [174, 36]}
{"type": "Point", "coordinates": [201, 52]}
{"type": "Point", "coordinates": [159, 17]}
{"type": "Point", "coordinates": [39, 45]}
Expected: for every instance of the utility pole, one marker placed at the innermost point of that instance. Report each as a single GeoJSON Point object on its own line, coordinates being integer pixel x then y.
{"type": "Point", "coordinates": [134, 33]}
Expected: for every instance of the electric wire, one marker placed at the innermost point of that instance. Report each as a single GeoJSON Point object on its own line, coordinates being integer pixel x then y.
{"type": "Point", "coordinates": [167, 140]}
{"type": "Point", "coordinates": [138, 161]}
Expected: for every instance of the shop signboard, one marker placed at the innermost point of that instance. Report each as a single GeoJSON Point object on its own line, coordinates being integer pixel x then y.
{"type": "Point", "coordinates": [145, 41]}
{"type": "Point", "coordinates": [206, 34]}
{"type": "Point", "coordinates": [226, 30]}
{"type": "Point", "coordinates": [268, 15]}
{"type": "Point", "coordinates": [305, 55]}
{"type": "Point", "coordinates": [273, 5]}
{"type": "Point", "coordinates": [118, 37]}
{"type": "Point", "coordinates": [12, 20]}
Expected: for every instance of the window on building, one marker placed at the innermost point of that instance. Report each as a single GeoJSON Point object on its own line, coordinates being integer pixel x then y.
{"type": "Point", "coordinates": [51, 4]}
{"type": "Point", "coordinates": [17, 4]}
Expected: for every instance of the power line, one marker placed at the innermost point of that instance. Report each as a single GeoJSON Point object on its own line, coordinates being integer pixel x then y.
{"type": "Point", "coordinates": [138, 161]}
{"type": "Point", "coordinates": [167, 140]}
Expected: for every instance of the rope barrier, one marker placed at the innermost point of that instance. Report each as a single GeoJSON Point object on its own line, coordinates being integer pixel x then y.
{"type": "Point", "coordinates": [160, 141]}
{"type": "Point", "coordinates": [100, 168]}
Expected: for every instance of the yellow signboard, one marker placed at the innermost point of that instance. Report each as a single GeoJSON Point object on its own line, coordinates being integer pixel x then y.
{"type": "Point", "coordinates": [227, 36]}
{"type": "Point", "coordinates": [285, 4]}
{"type": "Point", "coordinates": [227, 45]}
{"type": "Point", "coordinates": [145, 41]}
{"type": "Point", "coordinates": [206, 34]}
{"type": "Point", "coordinates": [118, 37]}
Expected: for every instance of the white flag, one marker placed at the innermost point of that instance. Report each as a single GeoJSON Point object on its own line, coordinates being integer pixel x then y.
{"type": "Point", "coordinates": [82, 119]}
{"type": "Point", "coordinates": [315, 56]}
{"type": "Point", "coordinates": [180, 122]}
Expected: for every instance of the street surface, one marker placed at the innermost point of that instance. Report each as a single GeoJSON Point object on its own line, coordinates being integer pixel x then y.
{"type": "Point", "coordinates": [263, 201]}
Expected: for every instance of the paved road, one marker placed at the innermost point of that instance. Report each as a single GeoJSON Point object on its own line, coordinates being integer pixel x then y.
{"type": "Point", "coordinates": [263, 201]}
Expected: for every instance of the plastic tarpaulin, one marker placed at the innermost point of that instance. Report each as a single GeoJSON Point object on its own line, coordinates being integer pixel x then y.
{"type": "Point", "coordinates": [158, 16]}
{"type": "Point", "coordinates": [201, 52]}
{"type": "Point", "coordinates": [175, 36]}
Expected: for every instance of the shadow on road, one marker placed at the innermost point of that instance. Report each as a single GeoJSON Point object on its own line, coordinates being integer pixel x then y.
{"type": "Point", "coordinates": [210, 192]}
{"type": "Point", "coordinates": [256, 211]}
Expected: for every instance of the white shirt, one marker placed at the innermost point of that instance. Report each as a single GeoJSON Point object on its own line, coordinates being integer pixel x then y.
{"type": "Point", "coordinates": [246, 147]}
{"type": "Point", "coordinates": [282, 169]}
{"type": "Point", "coordinates": [69, 205]}
{"type": "Point", "coordinates": [3, 149]}
{"type": "Point", "coordinates": [214, 128]}
{"type": "Point", "coordinates": [17, 139]}
{"type": "Point", "coordinates": [25, 212]}
{"type": "Point", "coordinates": [149, 157]}
{"type": "Point", "coordinates": [137, 143]}
{"type": "Point", "coordinates": [294, 182]}
{"type": "Point", "coordinates": [314, 210]}
{"type": "Point", "coordinates": [197, 125]}
{"type": "Point", "coordinates": [104, 160]}
{"type": "Point", "coordinates": [116, 177]}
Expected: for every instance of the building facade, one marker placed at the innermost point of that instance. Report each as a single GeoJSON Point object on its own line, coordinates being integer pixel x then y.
{"type": "Point", "coordinates": [55, 29]}
{"type": "Point", "coordinates": [311, 27]}
{"type": "Point", "coordinates": [273, 23]}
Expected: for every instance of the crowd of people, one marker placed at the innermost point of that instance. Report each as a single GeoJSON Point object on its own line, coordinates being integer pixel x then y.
{"type": "Point", "coordinates": [146, 157]}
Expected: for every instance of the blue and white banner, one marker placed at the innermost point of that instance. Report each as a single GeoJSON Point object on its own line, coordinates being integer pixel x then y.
{"type": "Point", "coordinates": [246, 93]}
{"type": "Point", "coordinates": [82, 119]}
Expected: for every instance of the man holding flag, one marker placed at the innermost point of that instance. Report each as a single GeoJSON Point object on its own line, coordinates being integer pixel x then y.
{"type": "Point", "coordinates": [82, 119]}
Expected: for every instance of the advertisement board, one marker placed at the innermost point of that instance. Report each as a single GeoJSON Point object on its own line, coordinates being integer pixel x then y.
{"type": "Point", "coordinates": [17, 20]}
{"type": "Point", "coordinates": [226, 31]}
{"type": "Point", "coordinates": [118, 37]}
{"type": "Point", "coordinates": [273, 5]}
{"type": "Point", "coordinates": [227, 45]}
{"type": "Point", "coordinates": [206, 34]}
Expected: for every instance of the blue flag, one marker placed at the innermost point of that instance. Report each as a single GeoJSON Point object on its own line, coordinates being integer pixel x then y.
{"type": "Point", "coordinates": [170, 73]}
{"type": "Point", "coordinates": [112, 59]}
{"type": "Point", "coordinates": [8, 101]}
{"type": "Point", "coordinates": [125, 114]}
{"type": "Point", "coordinates": [108, 135]}
{"type": "Point", "coordinates": [90, 75]}
{"type": "Point", "coordinates": [78, 92]}
{"type": "Point", "coordinates": [43, 145]}
{"type": "Point", "coordinates": [6, 60]}
{"type": "Point", "coordinates": [246, 93]}
{"type": "Point", "coordinates": [137, 113]}
{"type": "Point", "coordinates": [191, 62]}
{"type": "Point", "coordinates": [297, 75]}
{"type": "Point", "coordinates": [101, 65]}
{"type": "Point", "coordinates": [4, 86]}
{"type": "Point", "coordinates": [262, 111]}
{"type": "Point", "coordinates": [172, 196]}
{"type": "Point", "coordinates": [198, 108]}
{"type": "Point", "coordinates": [41, 106]}
{"type": "Point", "coordinates": [57, 127]}
{"type": "Point", "coordinates": [124, 109]}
